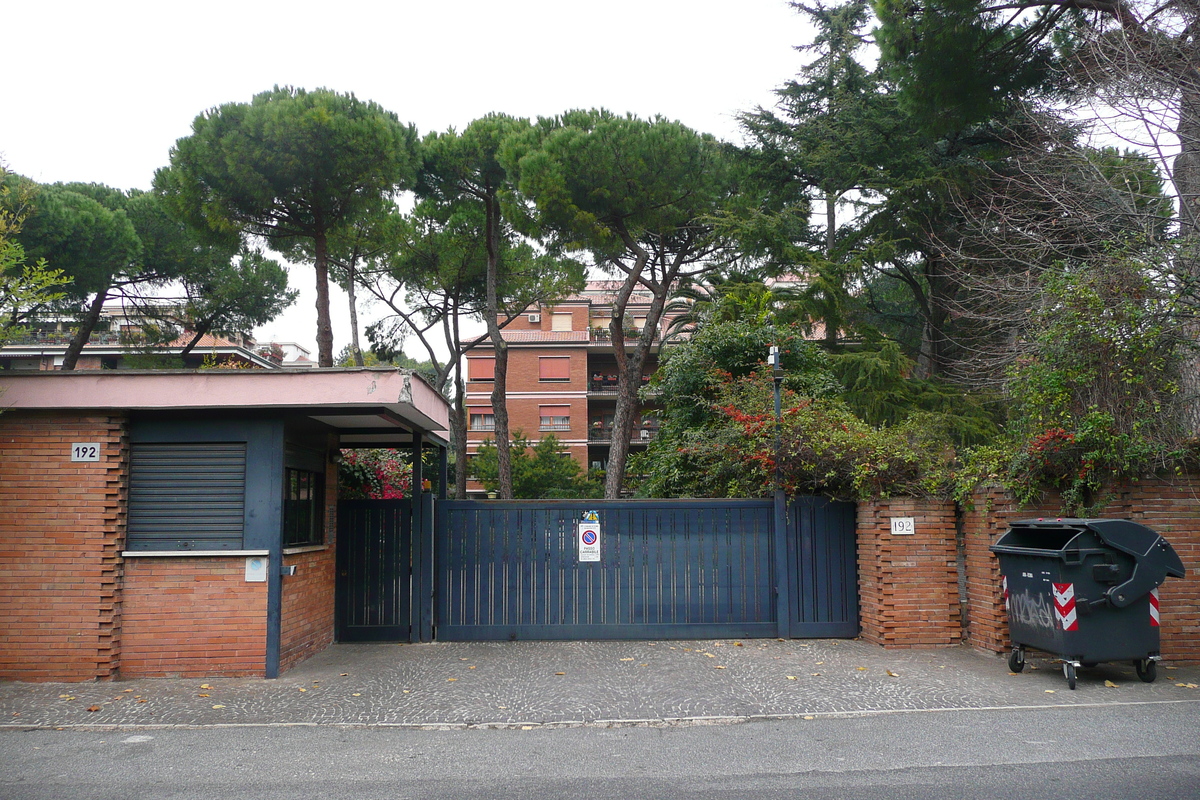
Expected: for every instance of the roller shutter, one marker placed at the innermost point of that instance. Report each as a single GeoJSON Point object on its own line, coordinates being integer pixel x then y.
{"type": "Point", "coordinates": [187, 496]}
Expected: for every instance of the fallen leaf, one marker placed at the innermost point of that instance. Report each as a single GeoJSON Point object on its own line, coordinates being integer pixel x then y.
{"type": "Point", "coordinates": [717, 644]}
{"type": "Point", "coordinates": [526, 727]}
{"type": "Point", "coordinates": [142, 700]}
{"type": "Point", "coordinates": [643, 665]}
{"type": "Point", "coordinates": [1111, 685]}
{"type": "Point", "coordinates": [303, 689]}
{"type": "Point", "coordinates": [203, 695]}
{"type": "Point", "coordinates": [343, 674]}
{"type": "Point", "coordinates": [627, 659]}
{"type": "Point", "coordinates": [451, 680]}
{"type": "Point", "coordinates": [16, 713]}
{"type": "Point", "coordinates": [128, 690]}
{"type": "Point", "coordinates": [652, 644]}
{"type": "Point", "coordinates": [791, 677]}
{"type": "Point", "coordinates": [357, 694]}
{"type": "Point", "coordinates": [560, 673]}
{"type": "Point", "coordinates": [205, 686]}
{"type": "Point", "coordinates": [464, 659]}
{"type": "Point", "coordinates": [471, 667]}
{"type": "Point", "coordinates": [218, 705]}
{"type": "Point", "coordinates": [408, 691]}
{"type": "Point", "coordinates": [710, 655]}
{"type": "Point", "coordinates": [893, 674]}
{"type": "Point", "coordinates": [862, 669]}
{"type": "Point", "coordinates": [1049, 691]}
{"type": "Point", "coordinates": [93, 708]}
{"type": "Point", "coordinates": [737, 644]}
{"type": "Point", "coordinates": [805, 717]}
{"type": "Point", "coordinates": [502, 707]}
{"type": "Point", "coordinates": [718, 667]}
{"type": "Point", "coordinates": [816, 674]}
{"type": "Point", "coordinates": [819, 663]}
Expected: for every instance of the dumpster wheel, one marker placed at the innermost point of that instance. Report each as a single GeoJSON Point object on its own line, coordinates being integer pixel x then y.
{"type": "Point", "coordinates": [1069, 671]}
{"type": "Point", "coordinates": [1016, 659]}
{"type": "Point", "coordinates": [1146, 668]}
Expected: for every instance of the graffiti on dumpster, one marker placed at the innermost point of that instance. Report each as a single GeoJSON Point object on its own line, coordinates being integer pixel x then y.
{"type": "Point", "coordinates": [1031, 610]}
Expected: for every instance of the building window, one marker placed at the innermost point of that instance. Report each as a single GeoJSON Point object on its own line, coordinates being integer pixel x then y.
{"type": "Point", "coordinates": [481, 369]}
{"type": "Point", "coordinates": [481, 418]}
{"type": "Point", "coordinates": [186, 496]}
{"type": "Point", "coordinates": [303, 508]}
{"type": "Point", "coordinates": [554, 368]}
{"type": "Point", "coordinates": [561, 322]}
{"type": "Point", "coordinates": [554, 418]}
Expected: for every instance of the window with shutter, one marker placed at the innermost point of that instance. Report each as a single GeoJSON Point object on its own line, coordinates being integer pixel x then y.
{"type": "Point", "coordinates": [554, 418]}
{"type": "Point", "coordinates": [186, 496]}
{"type": "Point", "coordinates": [481, 369]}
{"type": "Point", "coordinates": [554, 368]}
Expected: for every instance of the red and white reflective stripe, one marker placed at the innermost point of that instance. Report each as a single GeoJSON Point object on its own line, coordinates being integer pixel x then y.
{"type": "Point", "coordinates": [1004, 586]}
{"type": "Point", "coordinates": [1064, 606]}
{"type": "Point", "coordinates": [1154, 608]}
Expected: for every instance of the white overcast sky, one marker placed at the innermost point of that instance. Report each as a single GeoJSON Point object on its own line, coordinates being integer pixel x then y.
{"type": "Point", "coordinates": [99, 92]}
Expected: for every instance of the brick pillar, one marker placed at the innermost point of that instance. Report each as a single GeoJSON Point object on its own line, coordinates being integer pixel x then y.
{"type": "Point", "coordinates": [62, 530]}
{"type": "Point", "coordinates": [908, 584]}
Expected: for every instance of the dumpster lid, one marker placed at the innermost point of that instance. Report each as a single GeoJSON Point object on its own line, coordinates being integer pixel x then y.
{"type": "Point", "coordinates": [1153, 557]}
{"type": "Point", "coordinates": [1120, 534]}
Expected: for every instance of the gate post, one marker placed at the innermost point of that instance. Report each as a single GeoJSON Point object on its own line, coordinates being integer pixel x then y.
{"type": "Point", "coordinates": [783, 586]}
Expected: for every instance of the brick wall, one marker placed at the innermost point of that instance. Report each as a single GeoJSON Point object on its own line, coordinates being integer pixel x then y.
{"type": "Point", "coordinates": [192, 617]}
{"type": "Point", "coordinates": [306, 624]}
{"type": "Point", "coordinates": [908, 585]}
{"type": "Point", "coordinates": [62, 528]}
{"type": "Point", "coordinates": [1169, 506]}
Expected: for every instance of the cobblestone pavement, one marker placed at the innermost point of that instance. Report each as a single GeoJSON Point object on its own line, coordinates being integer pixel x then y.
{"type": "Point", "coordinates": [515, 684]}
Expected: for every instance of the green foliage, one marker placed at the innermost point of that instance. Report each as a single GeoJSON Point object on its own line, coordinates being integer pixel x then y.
{"type": "Point", "coordinates": [24, 288]}
{"type": "Point", "coordinates": [880, 390]}
{"type": "Point", "coordinates": [1094, 402]}
{"type": "Point", "coordinates": [542, 471]}
{"type": "Point", "coordinates": [692, 372]}
{"type": "Point", "coordinates": [823, 449]}
{"type": "Point", "coordinates": [289, 164]}
{"type": "Point", "coordinates": [375, 474]}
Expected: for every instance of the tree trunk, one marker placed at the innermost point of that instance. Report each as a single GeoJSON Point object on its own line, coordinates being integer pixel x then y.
{"type": "Point", "coordinates": [1186, 175]}
{"type": "Point", "coordinates": [84, 331]}
{"type": "Point", "coordinates": [458, 435]}
{"type": "Point", "coordinates": [195, 340]}
{"type": "Point", "coordinates": [500, 348]}
{"type": "Point", "coordinates": [324, 326]}
{"type": "Point", "coordinates": [831, 332]}
{"type": "Point", "coordinates": [355, 350]}
{"type": "Point", "coordinates": [629, 370]}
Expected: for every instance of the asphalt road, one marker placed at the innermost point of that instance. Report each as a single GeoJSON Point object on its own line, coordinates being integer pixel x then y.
{"type": "Point", "coordinates": [1102, 751]}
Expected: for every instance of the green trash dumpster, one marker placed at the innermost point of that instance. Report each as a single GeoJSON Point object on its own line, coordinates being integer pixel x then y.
{"type": "Point", "coordinates": [1085, 590]}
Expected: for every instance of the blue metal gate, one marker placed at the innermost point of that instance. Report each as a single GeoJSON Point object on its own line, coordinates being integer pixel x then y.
{"type": "Point", "coordinates": [667, 569]}
{"type": "Point", "coordinates": [372, 591]}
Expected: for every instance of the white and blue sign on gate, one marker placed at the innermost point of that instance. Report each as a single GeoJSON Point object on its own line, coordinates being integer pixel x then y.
{"type": "Point", "coordinates": [589, 541]}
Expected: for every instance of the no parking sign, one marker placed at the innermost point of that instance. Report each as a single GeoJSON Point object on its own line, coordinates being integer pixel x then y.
{"type": "Point", "coordinates": [589, 540]}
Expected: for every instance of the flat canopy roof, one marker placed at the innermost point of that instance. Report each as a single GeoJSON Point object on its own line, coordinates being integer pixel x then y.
{"type": "Point", "coordinates": [369, 406]}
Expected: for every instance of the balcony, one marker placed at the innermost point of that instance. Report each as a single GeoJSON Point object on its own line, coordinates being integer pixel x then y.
{"type": "Point", "coordinates": [604, 435]}
{"type": "Point", "coordinates": [604, 335]}
{"type": "Point", "coordinates": [607, 384]}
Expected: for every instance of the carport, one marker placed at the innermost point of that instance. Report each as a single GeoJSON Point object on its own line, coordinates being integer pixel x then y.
{"type": "Point", "coordinates": [183, 523]}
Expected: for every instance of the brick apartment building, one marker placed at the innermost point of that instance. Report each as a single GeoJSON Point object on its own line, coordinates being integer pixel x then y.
{"type": "Point", "coordinates": [562, 376]}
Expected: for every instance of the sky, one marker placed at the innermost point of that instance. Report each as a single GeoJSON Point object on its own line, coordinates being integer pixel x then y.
{"type": "Point", "coordinates": [99, 92]}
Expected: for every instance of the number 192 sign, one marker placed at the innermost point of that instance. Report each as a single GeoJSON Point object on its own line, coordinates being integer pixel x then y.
{"type": "Point", "coordinates": [903, 526]}
{"type": "Point", "coordinates": [85, 451]}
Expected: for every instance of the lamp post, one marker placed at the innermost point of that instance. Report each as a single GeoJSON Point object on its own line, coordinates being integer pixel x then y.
{"type": "Point", "coordinates": [783, 606]}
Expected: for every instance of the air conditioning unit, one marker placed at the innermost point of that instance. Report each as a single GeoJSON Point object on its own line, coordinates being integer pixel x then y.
{"type": "Point", "coordinates": [535, 317]}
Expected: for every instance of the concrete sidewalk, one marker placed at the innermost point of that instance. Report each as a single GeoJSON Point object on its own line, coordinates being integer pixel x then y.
{"type": "Point", "coordinates": [517, 684]}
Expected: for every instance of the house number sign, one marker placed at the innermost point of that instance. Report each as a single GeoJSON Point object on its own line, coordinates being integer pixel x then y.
{"type": "Point", "coordinates": [903, 526]}
{"type": "Point", "coordinates": [85, 451]}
